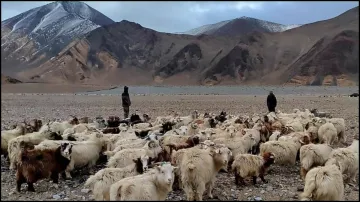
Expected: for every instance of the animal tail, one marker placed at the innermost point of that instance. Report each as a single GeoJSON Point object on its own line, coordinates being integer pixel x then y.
{"type": "Point", "coordinates": [309, 188]}
{"type": "Point", "coordinates": [115, 192]}
{"type": "Point", "coordinates": [90, 182]}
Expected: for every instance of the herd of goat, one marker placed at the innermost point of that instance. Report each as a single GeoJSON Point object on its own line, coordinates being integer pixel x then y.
{"type": "Point", "coordinates": [147, 159]}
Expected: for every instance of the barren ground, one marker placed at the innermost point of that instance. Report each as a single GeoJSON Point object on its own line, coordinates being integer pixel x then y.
{"type": "Point", "coordinates": [50, 88]}
{"type": "Point", "coordinates": [283, 181]}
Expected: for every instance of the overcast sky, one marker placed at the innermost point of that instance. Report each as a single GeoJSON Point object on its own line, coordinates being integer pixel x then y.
{"type": "Point", "coordinates": [182, 16]}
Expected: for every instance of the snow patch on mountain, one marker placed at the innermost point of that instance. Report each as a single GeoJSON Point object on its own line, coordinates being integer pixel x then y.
{"type": "Point", "coordinates": [56, 24]}
{"type": "Point", "coordinates": [269, 26]}
{"type": "Point", "coordinates": [205, 28]}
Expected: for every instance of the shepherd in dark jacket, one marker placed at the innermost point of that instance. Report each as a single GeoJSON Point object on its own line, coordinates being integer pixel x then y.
{"type": "Point", "coordinates": [126, 103]}
{"type": "Point", "coordinates": [271, 102]}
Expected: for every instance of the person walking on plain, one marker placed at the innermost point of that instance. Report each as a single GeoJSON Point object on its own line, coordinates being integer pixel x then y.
{"type": "Point", "coordinates": [126, 103]}
{"type": "Point", "coordinates": [271, 102]}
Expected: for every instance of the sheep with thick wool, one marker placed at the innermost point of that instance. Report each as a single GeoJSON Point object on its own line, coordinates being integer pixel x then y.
{"type": "Point", "coordinates": [60, 127]}
{"type": "Point", "coordinates": [323, 183]}
{"type": "Point", "coordinates": [139, 143]}
{"type": "Point", "coordinates": [7, 135]}
{"type": "Point", "coordinates": [242, 145]}
{"type": "Point", "coordinates": [339, 124]}
{"type": "Point", "coordinates": [285, 151]}
{"type": "Point", "coordinates": [124, 157]}
{"type": "Point", "coordinates": [81, 127]}
{"type": "Point", "coordinates": [176, 158]}
{"type": "Point", "coordinates": [354, 147]}
{"type": "Point", "coordinates": [199, 168]}
{"type": "Point", "coordinates": [312, 129]}
{"type": "Point", "coordinates": [258, 137]}
{"type": "Point", "coordinates": [327, 133]}
{"type": "Point", "coordinates": [80, 136]}
{"type": "Point", "coordinates": [152, 186]}
{"type": "Point", "coordinates": [313, 155]}
{"type": "Point", "coordinates": [295, 135]}
{"type": "Point", "coordinates": [32, 138]}
{"type": "Point", "coordinates": [186, 120]}
{"type": "Point", "coordinates": [101, 182]}
{"type": "Point", "coordinates": [295, 126]}
{"type": "Point", "coordinates": [275, 135]}
{"type": "Point", "coordinates": [248, 165]}
{"type": "Point", "coordinates": [193, 129]}
{"type": "Point", "coordinates": [348, 161]}
{"type": "Point", "coordinates": [229, 132]}
{"type": "Point", "coordinates": [120, 139]}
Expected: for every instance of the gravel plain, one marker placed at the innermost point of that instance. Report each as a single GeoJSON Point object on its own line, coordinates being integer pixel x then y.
{"type": "Point", "coordinates": [284, 183]}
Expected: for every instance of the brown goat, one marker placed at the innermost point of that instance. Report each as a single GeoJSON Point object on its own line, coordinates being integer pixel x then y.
{"type": "Point", "coordinates": [164, 155]}
{"type": "Point", "coordinates": [36, 164]}
{"type": "Point", "coordinates": [190, 142]}
{"type": "Point", "coordinates": [113, 121]}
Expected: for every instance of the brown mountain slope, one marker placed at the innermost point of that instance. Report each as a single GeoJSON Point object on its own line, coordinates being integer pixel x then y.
{"type": "Point", "coordinates": [325, 49]}
{"type": "Point", "coordinates": [321, 53]}
{"type": "Point", "coordinates": [127, 52]}
{"type": "Point", "coordinates": [33, 37]}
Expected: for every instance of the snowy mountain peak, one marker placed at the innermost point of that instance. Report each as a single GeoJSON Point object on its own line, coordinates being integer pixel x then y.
{"type": "Point", "coordinates": [237, 26]}
{"type": "Point", "coordinates": [51, 27]}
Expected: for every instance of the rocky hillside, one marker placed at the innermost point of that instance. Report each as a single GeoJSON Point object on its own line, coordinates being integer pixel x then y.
{"type": "Point", "coordinates": [243, 25]}
{"type": "Point", "coordinates": [126, 52]}
{"type": "Point", "coordinates": [7, 79]}
{"type": "Point", "coordinates": [33, 37]}
{"type": "Point", "coordinates": [320, 53]}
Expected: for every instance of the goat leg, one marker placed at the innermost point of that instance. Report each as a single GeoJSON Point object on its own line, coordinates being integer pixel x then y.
{"type": "Point", "coordinates": [303, 173]}
{"type": "Point", "coordinates": [55, 177]}
{"type": "Point", "coordinates": [31, 187]}
{"type": "Point", "coordinates": [262, 178]}
{"type": "Point", "coordinates": [237, 178]}
{"type": "Point", "coordinates": [254, 180]}
{"type": "Point", "coordinates": [19, 180]}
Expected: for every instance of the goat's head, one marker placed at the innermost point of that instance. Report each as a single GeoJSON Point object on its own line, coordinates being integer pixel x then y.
{"type": "Point", "coordinates": [66, 150]}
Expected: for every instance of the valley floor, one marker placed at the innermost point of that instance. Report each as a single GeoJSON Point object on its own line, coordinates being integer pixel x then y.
{"type": "Point", "coordinates": [283, 184]}
{"type": "Point", "coordinates": [49, 88]}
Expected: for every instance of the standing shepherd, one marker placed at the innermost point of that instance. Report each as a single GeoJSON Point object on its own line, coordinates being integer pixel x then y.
{"type": "Point", "coordinates": [126, 103]}
{"type": "Point", "coordinates": [271, 102]}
